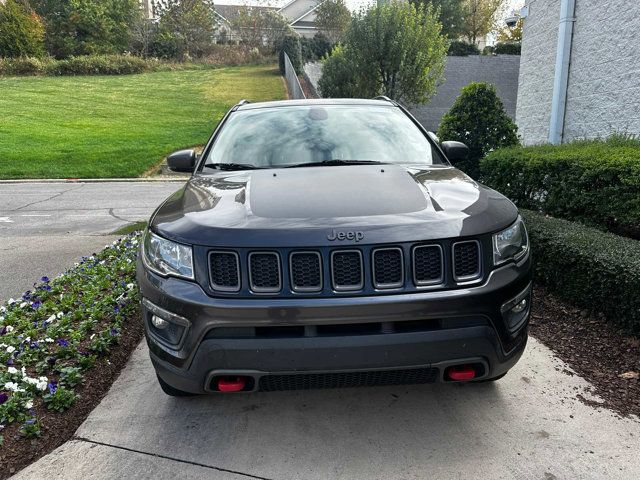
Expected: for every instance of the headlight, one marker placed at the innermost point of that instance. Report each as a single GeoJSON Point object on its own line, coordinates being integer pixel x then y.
{"type": "Point", "coordinates": [511, 243]}
{"type": "Point", "coordinates": [166, 257]}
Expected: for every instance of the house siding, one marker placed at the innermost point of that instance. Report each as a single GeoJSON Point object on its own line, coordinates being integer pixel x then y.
{"type": "Point", "coordinates": [603, 94]}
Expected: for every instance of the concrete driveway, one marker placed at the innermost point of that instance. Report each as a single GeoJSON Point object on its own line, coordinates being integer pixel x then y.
{"type": "Point", "coordinates": [46, 227]}
{"type": "Point", "coordinates": [529, 425]}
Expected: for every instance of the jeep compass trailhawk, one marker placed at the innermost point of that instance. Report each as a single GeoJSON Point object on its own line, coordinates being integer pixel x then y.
{"type": "Point", "coordinates": [331, 243]}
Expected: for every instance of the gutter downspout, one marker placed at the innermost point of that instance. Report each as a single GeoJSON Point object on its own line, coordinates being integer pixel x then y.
{"type": "Point", "coordinates": [561, 75]}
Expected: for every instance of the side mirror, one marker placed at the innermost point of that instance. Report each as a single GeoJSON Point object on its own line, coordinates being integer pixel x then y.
{"type": "Point", "coordinates": [182, 161]}
{"type": "Point", "coordinates": [455, 151]}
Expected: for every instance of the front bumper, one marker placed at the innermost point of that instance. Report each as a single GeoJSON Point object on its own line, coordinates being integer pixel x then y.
{"type": "Point", "coordinates": [464, 325]}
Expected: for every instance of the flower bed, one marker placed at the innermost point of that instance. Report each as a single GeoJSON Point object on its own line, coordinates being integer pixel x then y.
{"type": "Point", "coordinates": [53, 336]}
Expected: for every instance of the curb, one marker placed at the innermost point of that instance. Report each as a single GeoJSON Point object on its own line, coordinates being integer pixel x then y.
{"type": "Point", "coordinates": [97, 180]}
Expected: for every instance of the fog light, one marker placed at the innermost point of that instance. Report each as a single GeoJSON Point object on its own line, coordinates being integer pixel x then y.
{"type": "Point", "coordinates": [520, 306]}
{"type": "Point", "coordinates": [159, 323]}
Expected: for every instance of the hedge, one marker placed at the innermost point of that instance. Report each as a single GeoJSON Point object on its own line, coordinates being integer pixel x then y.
{"type": "Point", "coordinates": [462, 49]}
{"type": "Point", "coordinates": [507, 48]}
{"type": "Point", "coordinates": [595, 182]}
{"type": "Point", "coordinates": [595, 270]}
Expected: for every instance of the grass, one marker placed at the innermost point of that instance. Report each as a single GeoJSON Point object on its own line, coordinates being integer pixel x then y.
{"type": "Point", "coordinates": [130, 228]}
{"type": "Point", "coordinates": [117, 126]}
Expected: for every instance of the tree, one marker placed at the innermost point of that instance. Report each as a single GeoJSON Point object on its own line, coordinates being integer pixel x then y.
{"type": "Point", "coordinates": [479, 17]}
{"type": "Point", "coordinates": [477, 118]}
{"type": "Point", "coordinates": [333, 19]}
{"type": "Point", "coordinates": [21, 31]}
{"type": "Point", "coordinates": [396, 50]}
{"type": "Point", "coordinates": [257, 27]}
{"type": "Point", "coordinates": [82, 27]}
{"type": "Point", "coordinates": [450, 14]}
{"type": "Point", "coordinates": [511, 34]}
{"type": "Point", "coordinates": [337, 80]}
{"type": "Point", "coordinates": [189, 24]}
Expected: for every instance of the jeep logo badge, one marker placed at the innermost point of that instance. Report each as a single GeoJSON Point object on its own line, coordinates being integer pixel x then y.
{"type": "Point", "coordinates": [334, 235]}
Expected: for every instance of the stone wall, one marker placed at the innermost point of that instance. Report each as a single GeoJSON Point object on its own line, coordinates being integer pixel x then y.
{"type": "Point", "coordinates": [501, 70]}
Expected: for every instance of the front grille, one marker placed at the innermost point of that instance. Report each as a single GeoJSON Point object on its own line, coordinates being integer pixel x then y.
{"type": "Point", "coordinates": [264, 272]}
{"type": "Point", "coordinates": [312, 381]}
{"type": "Point", "coordinates": [306, 272]}
{"type": "Point", "coordinates": [346, 270]}
{"type": "Point", "coordinates": [225, 271]}
{"type": "Point", "coordinates": [360, 270]}
{"type": "Point", "coordinates": [466, 260]}
{"type": "Point", "coordinates": [388, 268]}
{"type": "Point", "coordinates": [427, 265]}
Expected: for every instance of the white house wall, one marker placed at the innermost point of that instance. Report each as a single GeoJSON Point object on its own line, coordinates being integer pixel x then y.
{"type": "Point", "coordinates": [603, 95]}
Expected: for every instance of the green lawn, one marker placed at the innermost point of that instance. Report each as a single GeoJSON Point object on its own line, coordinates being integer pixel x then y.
{"type": "Point", "coordinates": [120, 126]}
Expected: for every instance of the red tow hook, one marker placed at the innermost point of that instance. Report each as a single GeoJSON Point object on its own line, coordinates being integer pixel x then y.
{"type": "Point", "coordinates": [231, 384]}
{"type": "Point", "coordinates": [461, 372]}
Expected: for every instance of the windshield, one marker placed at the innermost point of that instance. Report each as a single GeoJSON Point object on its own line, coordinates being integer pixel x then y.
{"type": "Point", "coordinates": [320, 134]}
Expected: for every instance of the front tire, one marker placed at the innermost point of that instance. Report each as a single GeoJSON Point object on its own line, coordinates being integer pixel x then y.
{"type": "Point", "coordinates": [171, 391]}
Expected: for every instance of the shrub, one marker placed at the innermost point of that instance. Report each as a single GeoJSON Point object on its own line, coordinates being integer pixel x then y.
{"type": "Point", "coordinates": [595, 270]}
{"type": "Point", "coordinates": [315, 48]}
{"type": "Point", "coordinates": [291, 46]}
{"type": "Point", "coordinates": [24, 66]}
{"type": "Point", "coordinates": [477, 118]}
{"type": "Point", "coordinates": [337, 80]}
{"type": "Point", "coordinates": [507, 48]}
{"type": "Point", "coordinates": [595, 182]}
{"type": "Point", "coordinates": [21, 31]}
{"type": "Point", "coordinates": [459, 48]}
{"type": "Point", "coordinates": [99, 65]}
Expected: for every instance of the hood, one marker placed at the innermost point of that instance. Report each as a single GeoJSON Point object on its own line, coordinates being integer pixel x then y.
{"type": "Point", "coordinates": [305, 206]}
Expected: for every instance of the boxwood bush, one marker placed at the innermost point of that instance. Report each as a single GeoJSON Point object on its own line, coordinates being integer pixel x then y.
{"type": "Point", "coordinates": [462, 49]}
{"type": "Point", "coordinates": [595, 182]}
{"type": "Point", "coordinates": [595, 270]}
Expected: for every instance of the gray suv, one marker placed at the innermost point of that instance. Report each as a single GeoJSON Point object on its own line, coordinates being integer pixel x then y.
{"type": "Point", "coordinates": [331, 243]}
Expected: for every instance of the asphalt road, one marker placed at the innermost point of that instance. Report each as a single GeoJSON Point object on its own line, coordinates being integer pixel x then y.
{"type": "Point", "coordinates": [46, 227]}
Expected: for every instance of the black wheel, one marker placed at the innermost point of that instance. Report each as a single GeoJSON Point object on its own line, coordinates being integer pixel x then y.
{"type": "Point", "coordinates": [173, 392]}
{"type": "Point", "coordinates": [494, 379]}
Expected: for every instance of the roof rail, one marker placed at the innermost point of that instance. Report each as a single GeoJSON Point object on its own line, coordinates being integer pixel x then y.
{"type": "Point", "coordinates": [385, 98]}
{"type": "Point", "coordinates": [240, 103]}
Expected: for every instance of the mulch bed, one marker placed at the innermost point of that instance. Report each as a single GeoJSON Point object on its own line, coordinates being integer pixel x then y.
{"type": "Point", "coordinates": [17, 452]}
{"type": "Point", "coordinates": [307, 88]}
{"type": "Point", "coordinates": [596, 350]}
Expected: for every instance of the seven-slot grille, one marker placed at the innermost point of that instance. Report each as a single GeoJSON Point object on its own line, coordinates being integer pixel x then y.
{"type": "Point", "coordinates": [306, 271]}
{"type": "Point", "coordinates": [341, 271]}
{"type": "Point", "coordinates": [466, 260]}
{"type": "Point", "coordinates": [264, 272]}
{"type": "Point", "coordinates": [225, 271]}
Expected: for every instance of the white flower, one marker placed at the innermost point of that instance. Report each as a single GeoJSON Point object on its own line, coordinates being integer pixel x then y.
{"type": "Point", "coordinates": [9, 329]}
{"type": "Point", "coordinates": [11, 301]}
{"type": "Point", "coordinates": [3, 309]}
{"type": "Point", "coordinates": [27, 340]}
{"type": "Point", "coordinates": [29, 380]}
{"type": "Point", "coordinates": [50, 319]}
{"type": "Point", "coordinates": [2, 318]}
{"type": "Point", "coordinates": [91, 337]}
{"type": "Point", "coordinates": [48, 340]}
{"type": "Point", "coordinates": [29, 404]}
{"type": "Point", "coordinates": [60, 314]}
{"type": "Point", "coordinates": [12, 370]}
{"type": "Point", "coordinates": [23, 304]}
{"type": "Point", "coordinates": [42, 383]}
{"type": "Point", "coordinates": [130, 286]}
{"type": "Point", "coordinates": [13, 386]}
{"type": "Point", "coordinates": [11, 349]}
{"type": "Point", "coordinates": [24, 372]}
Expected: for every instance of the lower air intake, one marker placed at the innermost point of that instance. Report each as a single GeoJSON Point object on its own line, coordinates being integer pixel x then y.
{"type": "Point", "coordinates": [313, 381]}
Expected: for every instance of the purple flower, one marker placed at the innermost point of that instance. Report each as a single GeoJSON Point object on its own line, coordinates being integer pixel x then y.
{"type": "Point", "coordinates": [53, 387]}
{"type": "Point", "coordinates": [30, 421]}
{"type": "Point", "coordinates": [45, 279]}
{"type": "Point", "coordinates": [10, 362]}
{"type": "Point", "coordinates": [26, 295]}
{"type": "Point", "coordinates": [116, 309]}
{"type": "Point", "coordinates": [34, 345]}
{"type": "Point", "coordinates": [46, 287]}
{"type": "Point", "coordinates": [114, 331]}
{"type": "Point", "coordinates": [62, 342]}
{"type": "Point", "coordinates": [51, 360]}
{"type": "Point", "coordinates": [36, 305]}
{"type": "Point", "coordinates": [3, 397]}
{"type": "Point", "coordinates": [3, 330]}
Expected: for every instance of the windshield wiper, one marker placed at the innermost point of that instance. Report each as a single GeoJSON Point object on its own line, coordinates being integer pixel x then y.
{"type": "Point", "coordinates": [336, 161]}
{"type": "Point", "coordinates": [233, 166]}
